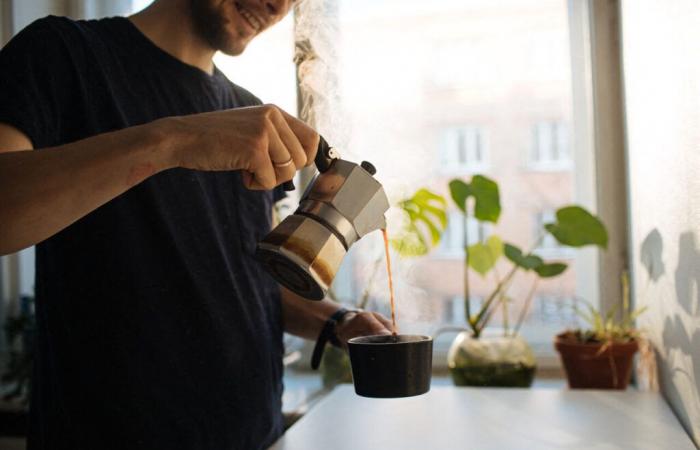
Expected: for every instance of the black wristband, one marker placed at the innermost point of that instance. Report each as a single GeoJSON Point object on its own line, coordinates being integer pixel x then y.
{"type": "Point", "coordinates": [327, 335]}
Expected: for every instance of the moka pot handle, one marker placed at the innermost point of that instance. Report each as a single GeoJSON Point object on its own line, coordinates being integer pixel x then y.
{"type": "Point", "coordinates": [325, 155]}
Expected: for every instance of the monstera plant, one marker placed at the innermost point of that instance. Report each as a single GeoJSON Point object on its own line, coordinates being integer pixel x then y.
{"type": "Point", "coordinates": [425, 210]}
{"type": "Point", "coordinates": [475, 359]}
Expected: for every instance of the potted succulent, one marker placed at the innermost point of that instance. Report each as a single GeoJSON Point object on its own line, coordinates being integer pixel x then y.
{"type": "Point", "coordinates": [600, 356]}
{"type": "Point", "coordinates": [477, 358]}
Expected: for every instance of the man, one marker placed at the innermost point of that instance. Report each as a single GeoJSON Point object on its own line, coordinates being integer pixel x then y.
{"type": "Point", "coordinates": [152, 182]}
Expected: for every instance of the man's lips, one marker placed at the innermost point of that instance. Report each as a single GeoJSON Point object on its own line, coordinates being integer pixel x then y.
{"type": "Point", "coordinates": [255, 21]}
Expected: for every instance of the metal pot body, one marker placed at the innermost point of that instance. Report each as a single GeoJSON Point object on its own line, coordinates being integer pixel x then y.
{"type": "Point", "coordinates": [340, 206]}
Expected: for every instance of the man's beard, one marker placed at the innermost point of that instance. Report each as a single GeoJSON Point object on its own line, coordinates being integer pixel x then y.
{"type": "Point", "coordinates": [209, 24]}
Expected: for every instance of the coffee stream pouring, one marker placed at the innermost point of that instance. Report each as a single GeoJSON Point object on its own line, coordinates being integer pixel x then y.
{"type": "Point", "coordinates": [342, 204]}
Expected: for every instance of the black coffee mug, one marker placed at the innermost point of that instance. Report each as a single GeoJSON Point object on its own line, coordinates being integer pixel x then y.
{"type": "Point", "coordinates": [391, 366]}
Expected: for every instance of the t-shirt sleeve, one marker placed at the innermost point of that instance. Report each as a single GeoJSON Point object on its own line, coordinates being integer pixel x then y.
{"type": "Point", "coordinates": [36, 81]}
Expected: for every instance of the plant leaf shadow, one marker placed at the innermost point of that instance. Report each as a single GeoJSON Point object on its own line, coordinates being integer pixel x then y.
{"type": "Point", "coordinates": [651, 255]}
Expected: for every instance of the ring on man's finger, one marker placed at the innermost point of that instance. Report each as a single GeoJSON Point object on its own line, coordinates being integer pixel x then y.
{"type": "Point", "coordinates": [283, 164]}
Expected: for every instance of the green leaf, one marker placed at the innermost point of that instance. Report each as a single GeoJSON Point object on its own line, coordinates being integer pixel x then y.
{"type": "Point", "coordinates": [550, 270]}
{"type": "Point", "coordinates": [515, 255]}
{"type": "Point", "coordinates": [426, 208]}
{"type": "Point", "coordinates": [487, 205]}
{"type": "Point", "coordinates": [576, 227]}
{"type": "Point", "coordinates": [410, 244]}
{"type": "Point", "coordinates": [460, 192]}
{"type": "Point", "coordinates": [483, 256]}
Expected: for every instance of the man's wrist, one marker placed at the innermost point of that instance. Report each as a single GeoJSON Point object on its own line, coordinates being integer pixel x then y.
{"type": "Point", "coordinates": [164, 142]}
{"type": "Point", "coordinates": [347, 317]}
{"type": "Point", "coordinates": [329, 334]}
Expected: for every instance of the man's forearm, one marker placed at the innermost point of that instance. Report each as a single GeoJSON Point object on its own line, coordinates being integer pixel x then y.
{"type": "Point", "coordinates": [44, 191]}
{"type": "Point", "coordinates": [305, 318]}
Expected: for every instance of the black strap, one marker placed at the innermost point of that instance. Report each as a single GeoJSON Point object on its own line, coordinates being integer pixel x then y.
{"type": "Point", "coordinates": [327, 335]}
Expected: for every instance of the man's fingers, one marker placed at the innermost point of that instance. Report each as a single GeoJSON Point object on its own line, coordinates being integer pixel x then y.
{"type": "Point", "coordinates": [263, 173]}
{"type": "Point", "coordinates": [289, 139]}
{"type": "Point", "coordinates": [307, 136]}
{"type": "Point", "coordinates": [280, 157]}
{"type": "Point", "coordinates": [363, 324]}
{"type": "Point", "coordinates": [386, 322]}
{"type": "Point", "coordinates": [373, 325]}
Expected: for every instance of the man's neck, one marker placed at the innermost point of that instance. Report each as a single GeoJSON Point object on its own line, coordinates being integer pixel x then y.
{"type": "Point", "coordinates": [169, 26]}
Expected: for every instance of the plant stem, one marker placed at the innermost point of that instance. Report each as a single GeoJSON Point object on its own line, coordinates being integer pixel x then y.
{"type": "Point", "coordinates": [482, 311]}
{"type": "Point", "coordinates": [624, 278]}
{"type": "Point", "coordinates": [484, 314]}
{"type": "Point", "coordinates": [467, 301]}
{"type": "Point", "coordinates": [526, 306]}
{"type": "Point", "coordinates": [489, 310]}
{"type": "Point", "coordinates": [504, 303]}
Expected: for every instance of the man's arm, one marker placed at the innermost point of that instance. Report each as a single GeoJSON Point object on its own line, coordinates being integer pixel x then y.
{"type": "Point", "coordinates": [42, 192]}
{"type": "Point", "coordinates": [306, 318]}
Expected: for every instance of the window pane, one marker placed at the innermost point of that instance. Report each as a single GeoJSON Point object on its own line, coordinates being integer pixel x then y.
{"type": "Point", "coordinates": [412, 70]}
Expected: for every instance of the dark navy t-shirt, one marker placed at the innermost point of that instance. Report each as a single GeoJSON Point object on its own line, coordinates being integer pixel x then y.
{"type": "Point", "coordinates": [157, 329]}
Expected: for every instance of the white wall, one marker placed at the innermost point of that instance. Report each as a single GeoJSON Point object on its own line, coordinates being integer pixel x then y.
{"type": "Point", "coordinates": [661, 46]}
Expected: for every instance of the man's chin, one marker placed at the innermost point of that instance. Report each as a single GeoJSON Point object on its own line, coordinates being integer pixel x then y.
{"type": "Point", "coordinates": [233, 48]}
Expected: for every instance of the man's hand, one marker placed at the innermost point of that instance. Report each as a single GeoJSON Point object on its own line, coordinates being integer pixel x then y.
{"type": "Point", "coordinates": [363, 323]}
{"type": "Point", "coordinates": [265, 142]}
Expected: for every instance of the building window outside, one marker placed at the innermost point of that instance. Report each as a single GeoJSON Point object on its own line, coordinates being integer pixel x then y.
{"type": "Point", "coordinates": [550, 148]}
{"type": "Point", "coordinates": [463, 150]}
{"type": "Point", "coordinates": [555, 309]}
{"type": "Point", "coordinates": [452, 242]}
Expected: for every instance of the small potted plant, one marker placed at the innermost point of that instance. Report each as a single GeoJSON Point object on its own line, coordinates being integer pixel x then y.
{"type": "Point", "coordinates": [600, 356]}
{"type": "Point", "coordinates": [477, 358]}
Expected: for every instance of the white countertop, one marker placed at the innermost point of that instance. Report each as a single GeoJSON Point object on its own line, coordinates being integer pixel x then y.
{"type": "Point", "coordinates": [450, 418]}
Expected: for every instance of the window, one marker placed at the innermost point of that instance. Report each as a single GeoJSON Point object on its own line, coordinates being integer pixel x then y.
{"type": "Point", "coordinates": [463, 150]}
{"type": "Point", "coordinates": [452, 243]}
{"type": "Point", "coordinates": [550, 146]}
{"type": "Point", "coordinates": [430, 91]}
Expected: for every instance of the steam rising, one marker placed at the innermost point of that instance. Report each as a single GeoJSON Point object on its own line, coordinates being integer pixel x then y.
{"type": "Point", "coordinates": [325, 82]}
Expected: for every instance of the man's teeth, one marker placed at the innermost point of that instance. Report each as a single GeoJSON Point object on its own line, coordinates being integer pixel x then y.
{"type": "Point", "coordinates": [251, 19]}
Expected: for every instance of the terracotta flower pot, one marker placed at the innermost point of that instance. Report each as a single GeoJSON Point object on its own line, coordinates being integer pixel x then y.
{"type": "Point", "coordinates": [589, 366]}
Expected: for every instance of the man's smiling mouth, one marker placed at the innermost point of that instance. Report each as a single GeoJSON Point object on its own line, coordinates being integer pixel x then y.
{"type": "Point", "coordinates": [254, 21]}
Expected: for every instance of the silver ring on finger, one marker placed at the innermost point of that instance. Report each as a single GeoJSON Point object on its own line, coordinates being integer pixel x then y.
{"type": "Point", "coordinates": [283, 164]}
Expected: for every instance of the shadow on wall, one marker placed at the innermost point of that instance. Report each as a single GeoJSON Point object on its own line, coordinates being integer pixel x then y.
{"type": "Point", "coordinates": [651, 255]}
{"type": "Point", "coordinates": [688, 274]}
{"type": "Point", "coordinates": [681, 343]}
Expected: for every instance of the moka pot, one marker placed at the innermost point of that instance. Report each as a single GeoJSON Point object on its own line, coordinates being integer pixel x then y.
{"type": "Point", "coordinates": [343, 203]}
